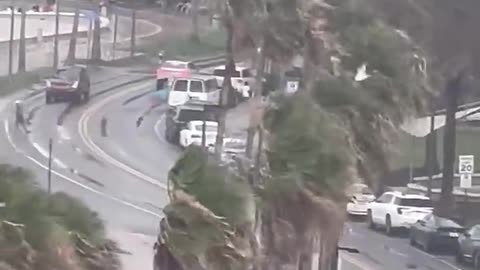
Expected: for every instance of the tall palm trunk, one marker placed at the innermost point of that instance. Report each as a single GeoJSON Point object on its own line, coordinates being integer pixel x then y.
{"type": "Point", "coordinates": [446, 204]}
{"type": "Point", "coordinates": [133, 29]}
{"type": "Point", "coordinates": [96, 44]}
{"type": "Point", "coordinates": [55, 41]}
{"type": "Point", "coordinates": [72, 48]}
{"type": "Point", "coordinates": [21, 45]}
{"type": "Point", "coordinates": [194, 13]}
{"type": "Point", "coordinates": [227, 83]}
{"type": "Point", "coordinates": [10, 44]}
{"type": "Point", "coordinates": [259, 66]}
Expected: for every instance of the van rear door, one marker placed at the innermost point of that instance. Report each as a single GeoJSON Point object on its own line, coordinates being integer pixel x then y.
{"type": "Point", "coordinates": [179, 93]}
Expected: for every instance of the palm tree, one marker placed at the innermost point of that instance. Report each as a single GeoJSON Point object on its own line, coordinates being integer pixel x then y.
{"type": "Point", "coordinates": [21, 46]}
{"type": "Point", "coordinates": [194, 13]}
{"type": "Point", "coordinates": [96, 43]}
{"type": "Point", "coordinates": [72, 48]}
{"type": "Point", "coordinates": [315, 143]}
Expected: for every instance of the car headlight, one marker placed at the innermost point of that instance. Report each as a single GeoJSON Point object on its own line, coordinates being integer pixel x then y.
{"type": "Point", "coordinates": [75, 84]}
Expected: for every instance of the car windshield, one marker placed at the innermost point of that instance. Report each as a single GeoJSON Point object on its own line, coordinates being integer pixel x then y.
{"type": "Point", "coordinates": [222, 73]}
{"type": "Point", "coordinates": [414, 202]}
{"type": "Point", "coordinates": [208, 128]}
{"type": "Point", "coordinates": [234, 145]}
{"type": "Point", "coordinates": [175, 65]}
{"type": "Point", "coordinates": [68, 74]}
{"type": "Point", "coordinates": [188, 115]}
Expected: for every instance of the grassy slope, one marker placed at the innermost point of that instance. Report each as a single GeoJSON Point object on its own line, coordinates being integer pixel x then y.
{"type": "Point", "coordinates": [468, 143]}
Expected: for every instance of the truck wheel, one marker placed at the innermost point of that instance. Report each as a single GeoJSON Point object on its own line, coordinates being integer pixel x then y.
{"type": "Point", "coordinates": [86, 97]}
{"type": "Point", "coordinates": [48, 99]}
{"type": "Point", "coordinates": [388, 225]}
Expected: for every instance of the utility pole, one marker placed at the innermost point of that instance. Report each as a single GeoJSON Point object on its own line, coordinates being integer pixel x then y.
{"type": "Point", "coordinates": [55, 40]}
{"type": "Point", "coordinates": [49, 178]}
{"type": "Point", "coordinates": [10, 44]}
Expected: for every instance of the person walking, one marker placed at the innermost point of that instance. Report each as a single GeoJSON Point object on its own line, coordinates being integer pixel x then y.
{"type": "Point", "coordinates": [19, 116]}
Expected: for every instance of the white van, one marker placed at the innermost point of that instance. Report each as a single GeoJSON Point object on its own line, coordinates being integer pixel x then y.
{"type": "Point", "coordinates": [242, 79]}
{"type": "Point", "coordinates": [197, 87]}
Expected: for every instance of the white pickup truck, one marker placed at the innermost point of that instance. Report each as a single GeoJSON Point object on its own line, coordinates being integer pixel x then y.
{"type": "Point", "coordinates": [242, 79]}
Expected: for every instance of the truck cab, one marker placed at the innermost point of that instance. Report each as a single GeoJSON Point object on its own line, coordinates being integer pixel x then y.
{"type": "Point", "coordinates": [178, 116]}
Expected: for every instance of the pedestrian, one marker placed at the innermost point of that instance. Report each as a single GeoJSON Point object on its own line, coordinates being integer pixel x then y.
{"type": "Point", "coordinates": [19, 116]}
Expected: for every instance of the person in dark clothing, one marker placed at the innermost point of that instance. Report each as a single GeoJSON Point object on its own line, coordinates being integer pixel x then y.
{"type": "Point", "coordinates": [19, 116]}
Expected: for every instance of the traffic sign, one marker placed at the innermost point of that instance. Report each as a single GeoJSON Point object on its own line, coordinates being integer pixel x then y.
{"type": "Point", "coordinates": [466, 164]}
{"type": "Point", "coordinates": [465, 181]}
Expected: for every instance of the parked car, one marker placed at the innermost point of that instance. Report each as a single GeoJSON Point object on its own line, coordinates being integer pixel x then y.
{"type": "Point", "coordinates": [433, 231]}
{"type": "Point", "coordinates": [195, 87]}
{"type": "Point", "coordinates": [469, 246]}
{"type": "Point", "coordinates": [397, 210]}
{"type": "Point", "coordinates": [70, 84]}
{"type": "Point", "coordinates": [242, 79]}
{"type": "Point", "coordinates": [360, 196]}
{"type": "Point", "coordinates": [192, 133]}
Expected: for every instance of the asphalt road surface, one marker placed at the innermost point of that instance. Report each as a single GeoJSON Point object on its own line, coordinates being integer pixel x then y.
{"type": "Point", "coordinates": [122, 172]}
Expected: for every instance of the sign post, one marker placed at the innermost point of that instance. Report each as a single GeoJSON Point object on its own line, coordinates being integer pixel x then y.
{"type": "Point", "coordinates": [466, 167]}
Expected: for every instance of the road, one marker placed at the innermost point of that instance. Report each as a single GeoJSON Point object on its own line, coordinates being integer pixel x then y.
{"type": "Point", "coordinates": [122, 174]}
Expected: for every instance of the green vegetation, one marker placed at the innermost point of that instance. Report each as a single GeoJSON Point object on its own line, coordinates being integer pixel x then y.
{"type": "Point", "coordinates": [22, 80]}
{"type": "Point", "coordinates": [44, 232]}
{"type": "Point", "coordinates": [317, 141]}
{"type": "Point", "coordinates": [211, 43]}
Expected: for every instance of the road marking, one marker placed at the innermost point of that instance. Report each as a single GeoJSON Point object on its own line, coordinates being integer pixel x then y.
{"type": "Point", "coordinates": [350, 259]}
{"type": "Point", "coordinates": [438, 259]}
{"type": "Point", "coordinates": [83, 131]}
{"type": "Point", "coordinates": [102, 194]}
{"type": "Point", "coordinates": [156, 128]}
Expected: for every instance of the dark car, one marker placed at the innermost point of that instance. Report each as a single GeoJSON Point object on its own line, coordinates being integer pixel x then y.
{"type": "Point", "coordinates": [433, 231]}
{"type": "Point", "coordinates": [469, 246]}
{"type": "Point", "coordinates": [70, 84]}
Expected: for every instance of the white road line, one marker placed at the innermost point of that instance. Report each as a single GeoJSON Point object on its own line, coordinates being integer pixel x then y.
{"type": "Point", "coordinates": [83, 131]}
{"type": "Point", "coordinates": [350, 259]}
{"type": "Point", "coordinates": [438, 259]}
{"type": "Point", "coordinates": [44, 153]}
{"type": "Point", "coordinates": [38, 163]}
{"type": "Point", "coordinates": [156, 128]}
{"type": "Point", "coordinates": [63, 132]}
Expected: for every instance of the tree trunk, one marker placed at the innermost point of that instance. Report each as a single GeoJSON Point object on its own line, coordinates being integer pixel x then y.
{"type": "Point", "coordinates": [133, 29]}
{"type": "Point", "coordinates": [194, 12]}
{"type": "Point", "coordinates": [72, 48]}
{"type": "Point", "coordinates": [227, 84]}
{"type": "Point", "coordinates": [21, 45]}
{"type": "Point", "coordinates": [55, 41]}
{"type": "Point", "coordinates": [10, 44]}
{"type": "Point", "coordinates": [260, 65]}
{"type": "Point", "coordinates": [96, 44]}
{"type": "Point", "coordinates": [446, 206]}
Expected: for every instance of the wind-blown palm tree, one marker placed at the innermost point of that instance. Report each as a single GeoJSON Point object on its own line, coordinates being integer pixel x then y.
{"type": "Point", "coordinates": [316, 143]}
{"type": "Point", "coordinates": [96, 43]}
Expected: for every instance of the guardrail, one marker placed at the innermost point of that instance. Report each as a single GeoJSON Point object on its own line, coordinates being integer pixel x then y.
{"type": "Point", "coordinates": [208, 62]}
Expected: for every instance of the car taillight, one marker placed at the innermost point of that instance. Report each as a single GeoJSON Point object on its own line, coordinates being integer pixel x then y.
{"type": "Point", "coordinates": [48, 83]}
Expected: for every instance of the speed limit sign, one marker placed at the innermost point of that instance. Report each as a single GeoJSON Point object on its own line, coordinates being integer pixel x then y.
{"type": "Point", "coordinates": [466, 164]}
